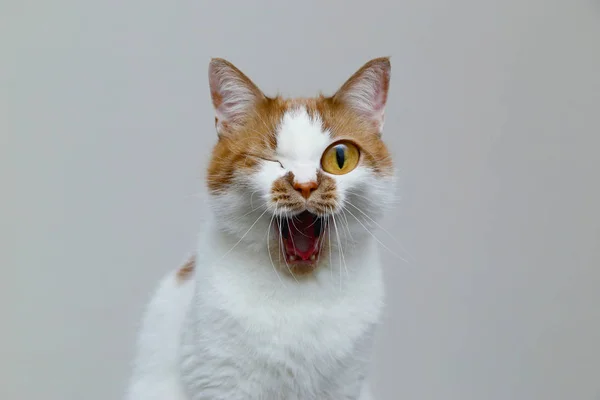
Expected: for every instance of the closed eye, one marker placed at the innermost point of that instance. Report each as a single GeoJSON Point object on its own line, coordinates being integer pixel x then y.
{"type": "Point", "coordinates": [265, 159]}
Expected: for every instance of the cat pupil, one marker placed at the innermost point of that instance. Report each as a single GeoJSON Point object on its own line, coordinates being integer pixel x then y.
{"type": "Point", "coordinates": [340, 156]}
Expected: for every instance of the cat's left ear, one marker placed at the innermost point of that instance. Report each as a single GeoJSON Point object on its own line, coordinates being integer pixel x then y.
{"type": "Point", "coordinates": [366, 91]}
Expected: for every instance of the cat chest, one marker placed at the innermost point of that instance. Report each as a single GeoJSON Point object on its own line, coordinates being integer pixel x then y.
{"type": "Point", "coordinates": [280, 356]}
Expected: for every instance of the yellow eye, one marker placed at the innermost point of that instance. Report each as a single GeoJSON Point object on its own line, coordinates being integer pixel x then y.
{"type": "Point", "coordinates": [340, 158]}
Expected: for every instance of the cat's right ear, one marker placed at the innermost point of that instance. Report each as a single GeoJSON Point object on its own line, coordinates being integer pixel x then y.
{"type": "Point", "coordinates": [234, 95]}
{"type": "Point", "coordinates": [366, 91]}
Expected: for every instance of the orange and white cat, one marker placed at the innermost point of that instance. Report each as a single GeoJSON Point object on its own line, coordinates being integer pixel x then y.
{"type": "Point", "coordinates": [284, 292]}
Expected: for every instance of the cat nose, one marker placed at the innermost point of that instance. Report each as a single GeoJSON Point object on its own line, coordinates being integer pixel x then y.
{"type": "Point", "coordinates": [306, 188]}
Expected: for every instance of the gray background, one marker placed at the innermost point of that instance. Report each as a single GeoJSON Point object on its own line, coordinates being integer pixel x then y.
{"type": "Point", "coordinates": [493, 118]}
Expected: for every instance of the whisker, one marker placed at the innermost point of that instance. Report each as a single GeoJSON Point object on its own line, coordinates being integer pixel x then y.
{"type": "Point", "coordinates": [290, 232]}
{"type": "Point", "coordinates": [342, 259]}
{"type": "Point", "coordinates": [294, 224]}
{"type": "Point", "coordinates": [252, 195]}
{"type": "Point", "coordinates": [375, 237]}
{"type": "Point", "coordinates": [269, 249]}
{"type": "Point", "coordinates": [384, 230]}
{"type": "Point", "coordinates": [394, 201]}
{"type": "Point", "coordinates": [347, 224]}
{"type": "Point", "coordinates": [330, 247]}
{"type": "Point", "coordinates": [283, 247]}
{"type": "Point", "coordinates": [321, 239]}
{"type": "Point", "coordinates": [314, 222]}
{"type": "Point", "coordinates": [244, 235]}
{"type": "Point", "coordinates": [248, 213]}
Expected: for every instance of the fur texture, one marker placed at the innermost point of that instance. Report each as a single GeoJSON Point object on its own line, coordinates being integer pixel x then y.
{"type": "Point", "coordinates": [245, 318]}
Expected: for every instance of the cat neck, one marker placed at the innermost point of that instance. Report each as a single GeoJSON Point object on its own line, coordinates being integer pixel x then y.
{"type": "Point", "coordinates": [227, 263]}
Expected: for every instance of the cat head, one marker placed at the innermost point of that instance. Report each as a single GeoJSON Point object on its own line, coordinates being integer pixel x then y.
{"type": "Point", "coordinates": [296, 176]}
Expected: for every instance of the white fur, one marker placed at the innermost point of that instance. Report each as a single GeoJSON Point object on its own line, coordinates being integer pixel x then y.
{"type": "Point", "coordinates": [300, 144]}
{"type": "Point", "coordinates": [241, 329]}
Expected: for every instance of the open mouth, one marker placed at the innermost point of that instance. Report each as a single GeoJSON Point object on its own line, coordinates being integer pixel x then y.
{"type": "Point", "coordinates": [301, 237]}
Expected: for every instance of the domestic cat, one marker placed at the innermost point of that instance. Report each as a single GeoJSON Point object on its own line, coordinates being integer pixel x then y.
{"type": "Point", "coordinates": [282, 296]}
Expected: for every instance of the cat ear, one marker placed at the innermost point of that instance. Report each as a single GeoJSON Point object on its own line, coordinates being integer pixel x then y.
{"type": "Point", "coordinates": [366, 91]}
{"type": "Point", "coordinates": [233, 94]}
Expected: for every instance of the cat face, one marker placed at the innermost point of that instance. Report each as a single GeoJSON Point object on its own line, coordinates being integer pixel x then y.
{"type": "Point", "coordinates": [296, 177]}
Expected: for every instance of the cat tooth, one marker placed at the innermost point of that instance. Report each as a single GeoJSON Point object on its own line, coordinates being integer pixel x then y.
{"type": "Point", "coordinates": [313, 258]}
{"type": "Point", "coordinates": [292, 258]}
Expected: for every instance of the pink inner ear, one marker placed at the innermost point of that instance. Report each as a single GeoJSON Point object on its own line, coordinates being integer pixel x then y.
{"type": "Point", "coordinates": [380, 91]}
{"type": "Point", "coordinates": [232, 93]}
{"type": "Point", "coordinates": [380, 97]}
{"type": "Point", "coordinates": [373, 105]}
{"type": "Point", "coordinates": [367, 90]}
{"type": "Point", "coordinates": [232, 99]}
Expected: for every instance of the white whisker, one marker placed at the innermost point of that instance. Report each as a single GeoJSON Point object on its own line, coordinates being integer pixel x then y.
{"type": "Point", "coordinates": [340, 250]}
{"type": "Point", "coordinates": [395, 200]}
{"type": "Point", "coordinates": [299, 230]}
{"type": "Point", "coordinates": [269, 249]}
{"type": "Point", "coordinates": [283, 250]}
{"type": "Point", "coordinates": [287, 220]}
{"type": "Point", "coordinates": [248, 213]}
{"type": "Point", "coordinates": [251, 196]}
{"type": "Point", "coordinates": [244, 235]}
{"type": "Point", "coordinates": [375, 237]}
{"type": "Point", "coordinates": [347, 224]}
{"type": "Point", "coordinates": [329, 245]}
{"type": "Point", "coordinates": [383, 229]}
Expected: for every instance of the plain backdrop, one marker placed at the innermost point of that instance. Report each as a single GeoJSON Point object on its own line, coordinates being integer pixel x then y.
{"type": "Point", "coordinates": [493, 119]}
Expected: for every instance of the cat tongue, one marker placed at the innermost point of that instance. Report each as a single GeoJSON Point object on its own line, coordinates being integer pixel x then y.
{"type": "Point", "coordinates": [303, 241]}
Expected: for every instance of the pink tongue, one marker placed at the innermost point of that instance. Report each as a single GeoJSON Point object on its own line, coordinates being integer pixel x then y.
{"type": "Point", "coordinates": [302, 243]}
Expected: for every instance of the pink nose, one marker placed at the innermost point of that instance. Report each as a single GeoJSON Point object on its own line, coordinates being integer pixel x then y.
{"type": "Point", "coordinates": [306, 188]}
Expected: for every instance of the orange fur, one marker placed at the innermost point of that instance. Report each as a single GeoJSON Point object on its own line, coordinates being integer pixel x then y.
{"type": "Point", "coordinates": [248, 136]}
{"type": "Point", "coordinates": [186, 270]}
{"type": "Point", "coordinates": [257, 137]}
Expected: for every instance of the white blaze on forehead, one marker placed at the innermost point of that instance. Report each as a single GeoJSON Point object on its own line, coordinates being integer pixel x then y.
{"type": "Point", "coordinates": [301, 141]}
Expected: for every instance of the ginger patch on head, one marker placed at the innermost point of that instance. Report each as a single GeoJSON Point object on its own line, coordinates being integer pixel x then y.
{"type": "Point", "coordinates": [343, 123]}
{"type": "Point", "coordinates": [241, 147]}
{"type": "Point", "coordinates": [302, 158]}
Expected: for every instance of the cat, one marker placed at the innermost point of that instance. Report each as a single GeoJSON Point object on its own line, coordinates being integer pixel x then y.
{"type": "Point", "coordinates": [283, 294]}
